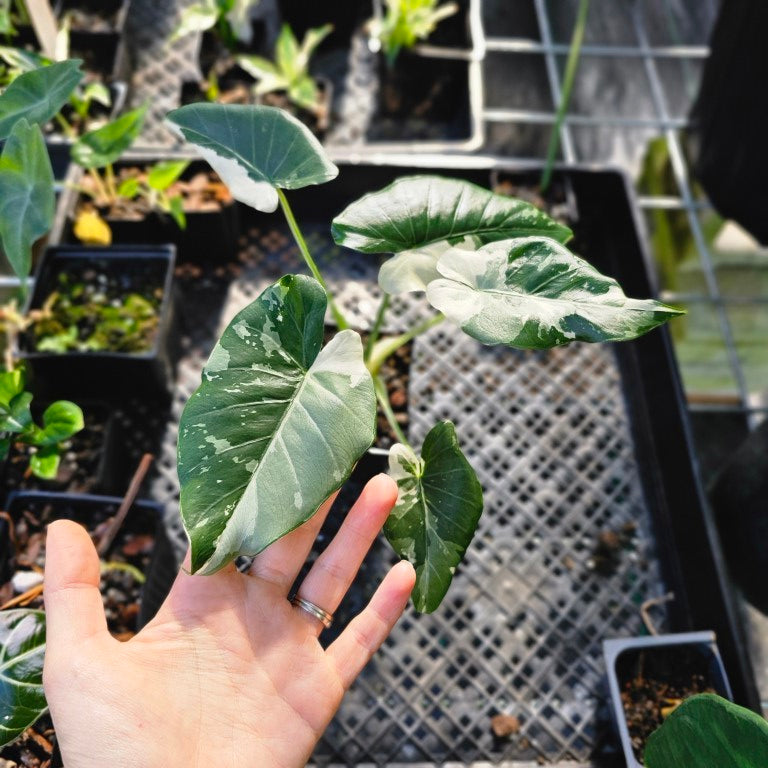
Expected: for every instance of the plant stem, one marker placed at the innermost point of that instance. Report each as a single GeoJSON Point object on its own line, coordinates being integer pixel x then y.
{"type": "Point", "coordinates": [373, 337]}
{"type": "Point", "coordinates": [101, 190]}
{"type": "Point", "coordinates": [565, 97]}
{"type": "Point", "coordinates": [389, 346]}
{"type": "Point", "coordinates": [386, 407]}
{"type": "Point", "coordinates": [109, 174]}
{"type": "Point", "coordinates": [114, 565]}
{"type": "Point", "coordinates": [69, 131]}
{"type": "Point", "coordinates": [341, 321]}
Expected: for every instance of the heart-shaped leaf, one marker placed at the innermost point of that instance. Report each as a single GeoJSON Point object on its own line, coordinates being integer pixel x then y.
{"type": "Point", "coordinates": [22, 649]}
{"type": "Point", "coordinates": [38, 95]}
{"type": "Point", "coordinates": [255, 150]}
{"type": "Point", "coordinates": [438, 507]}
{"type": "Point", "coordinates": [61, 420]}
{"type": "Point", "coordinates": [103, 146]}
{"type": "Point", "coordinates": [533, 293]}
{"type": "Point", "coordinates": [276, 426]}
{"type": "Point", "coordinates": [707, 730]}
{"type": "Point", "coordinates": [26, 195]}
{"type": "Point", "coordinates": [415, 211]}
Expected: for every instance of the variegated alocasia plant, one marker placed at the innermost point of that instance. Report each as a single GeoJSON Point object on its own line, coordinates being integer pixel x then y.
{"type": "Point", "coordinates": [278, 423]}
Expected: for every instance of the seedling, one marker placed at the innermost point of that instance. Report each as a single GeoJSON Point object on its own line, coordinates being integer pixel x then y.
{"type": "Point", "coordinates": [405, 22]}
{"type": "Point", "coordinates": [290, 70]}
{"type": "Point", "coordinates": [230, 19]}
{"type": "Point", "coordinates": [26, 214]}
{"type": "Point", "coordinates": [278, 423]}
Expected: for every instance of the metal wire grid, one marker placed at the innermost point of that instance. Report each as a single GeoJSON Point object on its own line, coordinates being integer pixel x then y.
{"type": "Point", "coordinates": [521, 629]}
{"type": "Point", "coordinates": [665, 117]}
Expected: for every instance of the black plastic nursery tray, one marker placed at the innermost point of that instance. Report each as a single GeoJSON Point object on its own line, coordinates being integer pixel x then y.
{"type": "Point", "coordinates": [574, 448]}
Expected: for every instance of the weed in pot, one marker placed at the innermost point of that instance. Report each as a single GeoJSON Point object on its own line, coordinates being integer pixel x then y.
{"type": "Point", "coordinates": [286, 81]}
{"type": "Point", "coordinates": [493, 266]}
{"type": "Point", "coordinates": [26, 213]}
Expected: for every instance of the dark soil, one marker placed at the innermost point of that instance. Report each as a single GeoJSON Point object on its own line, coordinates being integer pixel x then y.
{"type": "Point", "coordinates": [121, 592]}
{"type": "Point", "coordinates": [98, 309]}
{"type": "Point", "coordinates": [655, 680]}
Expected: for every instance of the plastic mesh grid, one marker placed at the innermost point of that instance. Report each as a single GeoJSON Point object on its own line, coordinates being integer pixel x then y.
{"type": "Point", "coordinates": [520, 630]}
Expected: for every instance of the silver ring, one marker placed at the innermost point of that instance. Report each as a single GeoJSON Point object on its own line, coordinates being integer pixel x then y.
{"type": "Point", "coordinates": [325, 618]}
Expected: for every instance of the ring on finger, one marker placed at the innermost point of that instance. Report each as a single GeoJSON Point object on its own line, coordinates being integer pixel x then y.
{"type": "Point", "coordinates": [325, 618]}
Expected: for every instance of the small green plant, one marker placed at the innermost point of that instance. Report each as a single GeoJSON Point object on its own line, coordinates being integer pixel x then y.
{"type": "Point", "coordinates": [290, 70]}
{"type": "Point", "coordinates": [405, 22]}
{"type": "Point", "coordinates": [97, 151]}
{"type": "Point", "coordinates": [278, 422]}
{"type": "Point", "coordinates": [26, 214]}
{"type": "Point", "coordinates": [707, 731]}
{"type": "Point", "coordinates": [230, 19]}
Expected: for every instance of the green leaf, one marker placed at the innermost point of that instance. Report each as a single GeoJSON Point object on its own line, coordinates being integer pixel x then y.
{"type": "Point", "coordinates": [239, 18]}
{"type": "Point", "coordinates": [38, 95]}
{"type": "Point", "coordinates": [196, 18]}
{"type": "Point", "coordinates": [255, 150]}
{"type": "Point", "coordinates": [706, 730]}
{"type": "Point", "coordinates": [44, 462]}
{"type": "Point", "coordinates": [416, 211]}
{"type": "Point", "coordinates": [276, 426]}
{"type": "Point", "coordinates": [165, 173]}
{"type": "Point", "coordinates": [18, 417]}
{"type": "Point", "coordinates": [287, 52]}
{"type": "Point", "coordinates": [99, 93]}
{"type": "Point", "coordinates": [176, 209]}
{"type": "Point", "coordinates": [11, 384]}
{"type": "Point", "coordinates": [26, 195]}
{"type": "Point", "coordinates": [533, 293]}
{"type": "Point", "coordinates": [438, 507]}
{"type": "Point", "coordinates": [129, 187]}
{"type": "Point", "coordinates": [257, 66]}
{"type": "Point", "coordinates": [303, 92]}
{"type": "Point", "coordinates": [22, 649]}
{"type": "Point", "coordinates": [309, 44]}
{"type": "Point", "coordinates": [20, 60]}
{"type": "Point", "coordinates": [61, 420]}
{"type": "Point", "coordinates": [103, 146]}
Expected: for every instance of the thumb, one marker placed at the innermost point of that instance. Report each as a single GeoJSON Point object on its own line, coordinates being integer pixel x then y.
{"type": "Point", "coordinates": [74, 610]}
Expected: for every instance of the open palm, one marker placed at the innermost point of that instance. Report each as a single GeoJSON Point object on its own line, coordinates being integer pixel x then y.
{"type": "Point", "coordinates": [228, 672]}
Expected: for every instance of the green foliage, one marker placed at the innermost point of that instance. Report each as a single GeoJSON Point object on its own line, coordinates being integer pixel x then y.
{"type": "Point", "coordinates": [438, 507]}
{"type": "Point", "coordinates": [405, 22]}
{"type": "Point", "coordinates": [38, 95]}
{"type": "Point", "coordinates": [231, 19]}
{"type": "Point", "coordinates": [104, 146]}
{"type": "Point", "coordinates": [22, 649]}
{"type": "Point", "coordinates": [276, 426]}
{"type": "Point", "coordinates": [61, 420]}
{"type": "Point", "coordinates": [154, 189]}
{"type": "Point", "coordinates": [707, 730]}
{"type": "Point", "coordinates": [26, 195]}
{"type": "Point", "coordinates": [290, 70]}
{"type": "Point", "coordinates": [87, 316]}
{"type": "Point", "coordinates": [255, 150]}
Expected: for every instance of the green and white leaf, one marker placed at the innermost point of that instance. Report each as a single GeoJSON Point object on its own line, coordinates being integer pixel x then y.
{"type": "Point", "coordinates": [287, 52]}
{"type": "Point", "coordinates": [104, 146]}
{"type": "Point", "coordinates": [415, 211]}
{"type": "Point", "coordinates": [22, 650]}
{"type": "Point", "coordinates": [258, 66]}
{"type": "Point", "coordinates": [27, 199]}
{"type": "Point", "coordinates": [197, 17]}
{"type": "Point", "coordinates": [438, 508]}
{"type": "Point", "coordinates": [707, 730]}
{"type": "Point", "coordinates": [309, 44]}
{"type": "Point", "coordinates": [255, 150]}
{"type": "Point", "coordinates": [276, 426]}
{"type": "Point", "coordinates": [239, 18]}
{"type": "Point", "coordinates": [533, 293]}
{"type": "Point", "coordinates": [38, 95]}
{"type": "Point", "coordinates": [413, 270]}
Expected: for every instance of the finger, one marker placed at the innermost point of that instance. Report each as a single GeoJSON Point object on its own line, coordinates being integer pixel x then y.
{"type": "Point", "coordinates": [281, 562]}
{"type": "Point", "coordinates": [74, 610]}
{"type": "Point", "coordinates": [367, 631]}
{"type": "Point", "coordinates": [335, 569]}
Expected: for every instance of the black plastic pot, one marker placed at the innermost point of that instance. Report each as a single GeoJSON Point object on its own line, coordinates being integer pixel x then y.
{"type": "Point", "coordinates": [144, 518]}
{"type": "Point", "coordinates": [209, 236]}
{"type": "Point", "coordinates": [667, 658]}
{"type": "Point", "coordinates": [106, 375]}
{"type": "Point", "coordinates": [100, 476]}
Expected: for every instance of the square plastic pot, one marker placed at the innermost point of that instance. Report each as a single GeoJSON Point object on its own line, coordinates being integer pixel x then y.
{"type": "Point", "coordinates": [106, 375]}
{"type": "Point", "coordinates": [702, 651]}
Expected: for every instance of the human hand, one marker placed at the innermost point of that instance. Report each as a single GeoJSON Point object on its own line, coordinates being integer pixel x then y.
{"type": "Point", "coordinates": [228, 672]}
